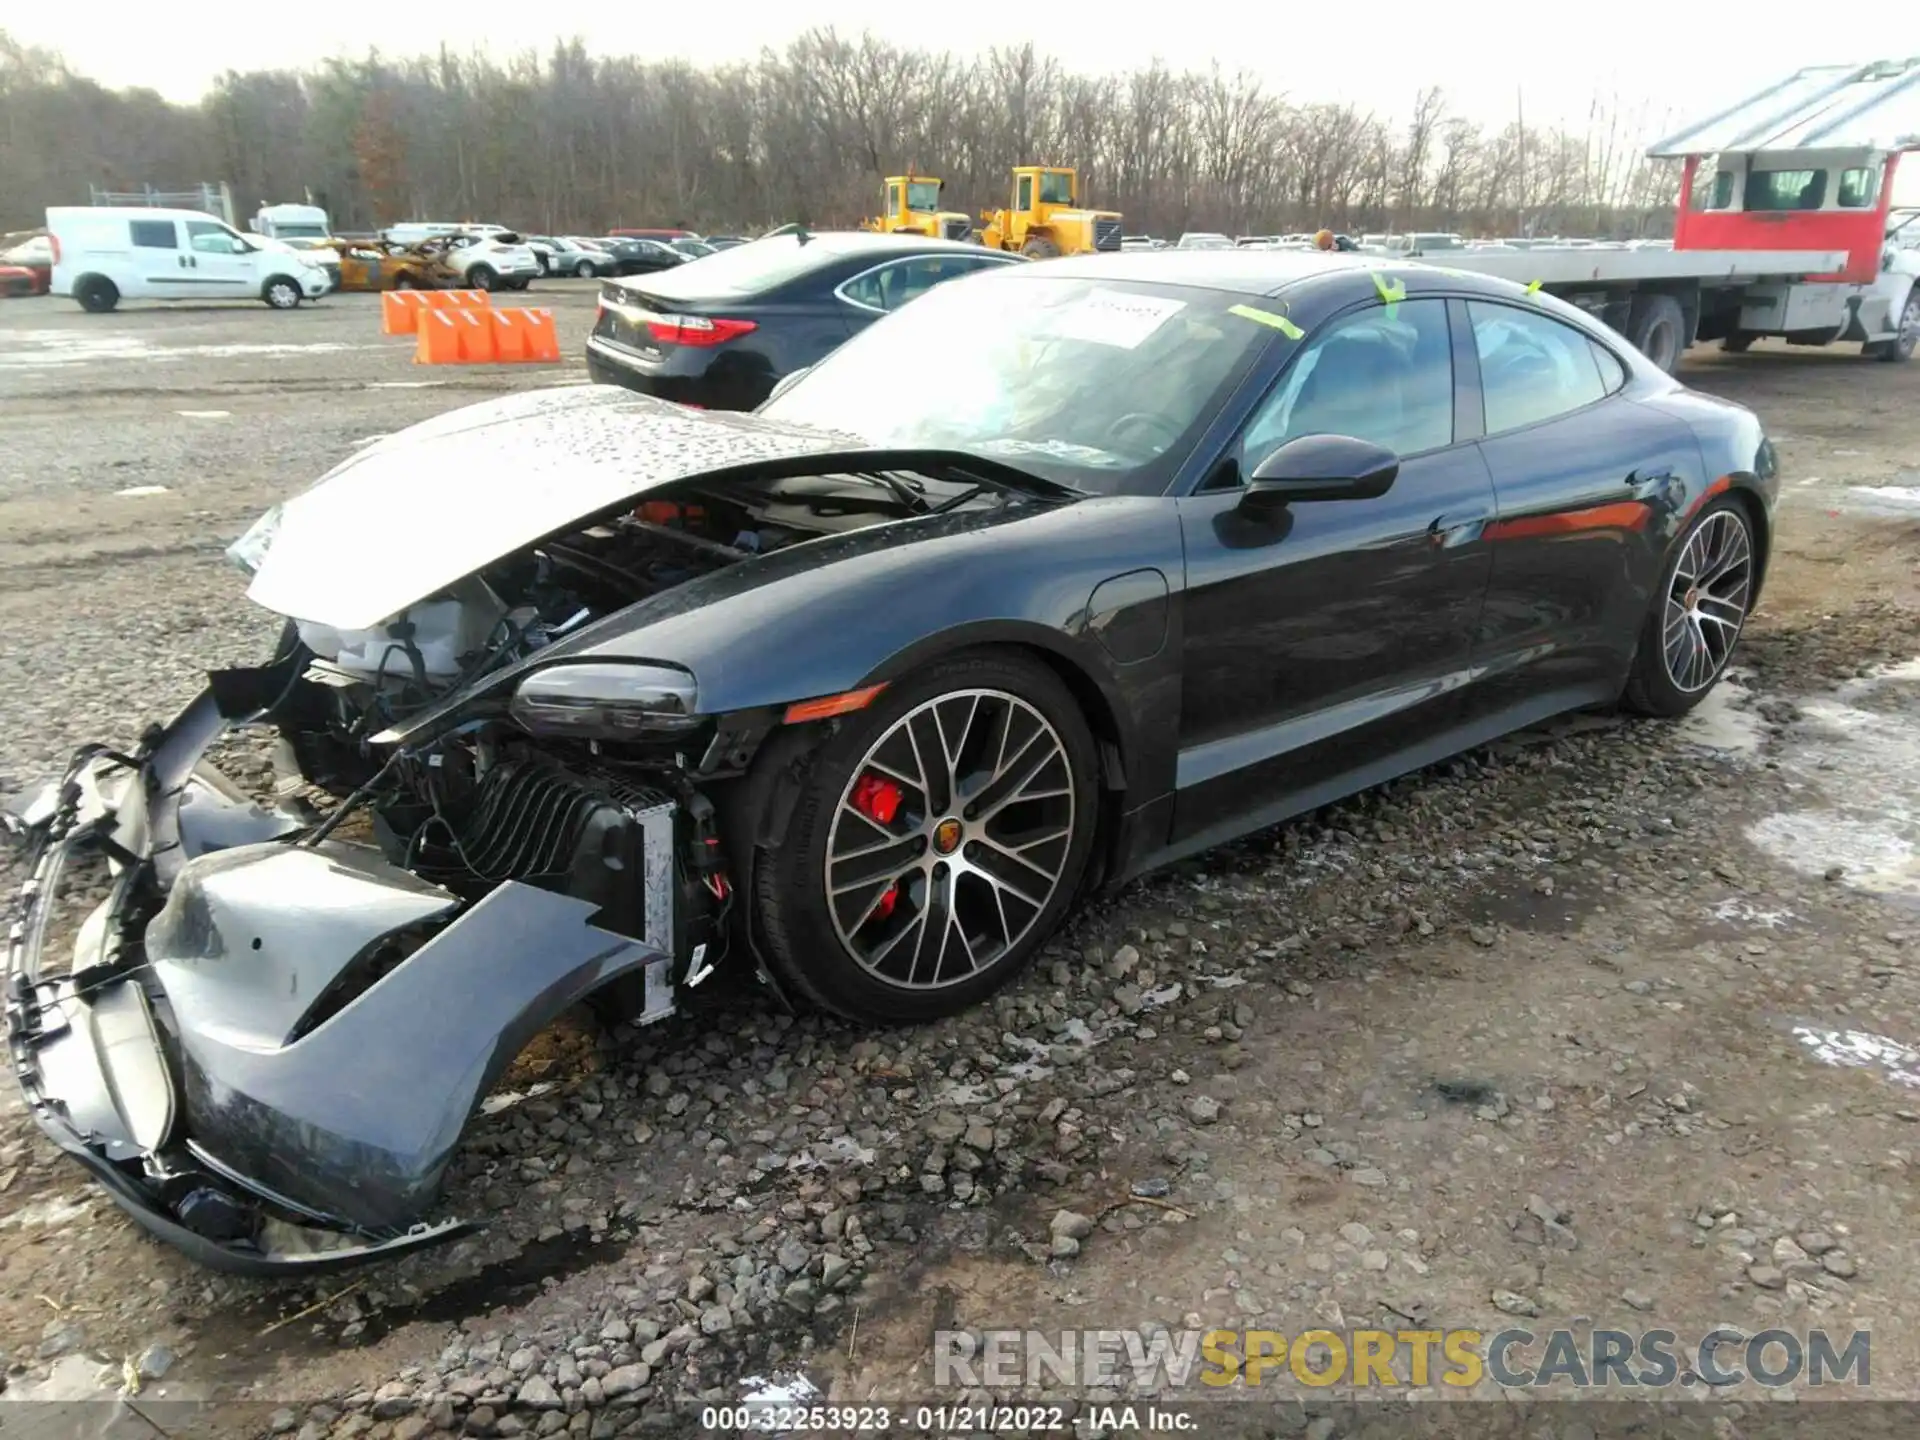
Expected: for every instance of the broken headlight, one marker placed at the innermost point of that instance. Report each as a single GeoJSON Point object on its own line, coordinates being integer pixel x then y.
{"type": "Point", "coordinates": [251, 548]}
{"type": "Point", "coordinates": [606, 701]}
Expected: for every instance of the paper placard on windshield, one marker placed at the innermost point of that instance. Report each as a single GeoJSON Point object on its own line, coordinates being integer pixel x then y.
{"type": "Point", "coordinates": [1113, 317]}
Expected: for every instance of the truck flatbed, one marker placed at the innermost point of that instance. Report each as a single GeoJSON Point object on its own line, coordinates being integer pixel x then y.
{"type": "Point", "coordinates": [1577, 266]}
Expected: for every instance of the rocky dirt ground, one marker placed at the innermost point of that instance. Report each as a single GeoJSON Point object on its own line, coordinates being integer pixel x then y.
{"type": "Point", "coordinates": [1610, 1025]}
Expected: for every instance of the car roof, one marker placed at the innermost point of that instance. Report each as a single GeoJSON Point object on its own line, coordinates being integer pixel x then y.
{"type": "Point", "coordinates": [865, 242]}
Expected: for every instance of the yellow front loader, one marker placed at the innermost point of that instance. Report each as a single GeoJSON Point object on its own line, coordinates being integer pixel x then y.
{"type": "Point", "coordinates": [1046, 219]}
{"type": "Point", "coordinates": [912, 207]}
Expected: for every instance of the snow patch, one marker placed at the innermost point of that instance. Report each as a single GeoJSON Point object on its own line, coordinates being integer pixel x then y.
{"type": "Point", "coordinates": [1739, 911]}
{"type": "Point", "coordinates": [1857, 765]}
{"type": "Point", "coordinates": [1857, 1049]}
{"type": "Point", "coordinates": [1723, 720]}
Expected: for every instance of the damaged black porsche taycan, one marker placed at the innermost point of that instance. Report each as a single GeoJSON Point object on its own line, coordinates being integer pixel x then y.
{"type": "Point", "coordinates": [1055, 575]}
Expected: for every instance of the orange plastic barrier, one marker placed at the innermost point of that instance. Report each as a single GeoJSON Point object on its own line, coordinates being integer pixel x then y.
{"type": "Point", "coordinates": [455, 337]}
{"type": "Point", "coordinates": [525, 334]}
{"type": "Point", "coordinates": [509, 336]}
{"type": "Point", "coordinates": [460, 299]}
{"type": "Point", "coordinates": [400, 311]}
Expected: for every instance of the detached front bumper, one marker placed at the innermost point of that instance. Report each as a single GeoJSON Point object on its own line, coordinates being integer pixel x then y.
{"type": "Point", "coordinates": [267, 1049]}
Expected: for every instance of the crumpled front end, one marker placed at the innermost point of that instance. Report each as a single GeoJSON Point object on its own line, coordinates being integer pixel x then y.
{"type": "Point", "coordinates": [268, 1040]}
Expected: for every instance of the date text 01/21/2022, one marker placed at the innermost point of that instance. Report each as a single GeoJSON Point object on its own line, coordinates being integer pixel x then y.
{"type": "Point", "coordinates": [929, 1419]}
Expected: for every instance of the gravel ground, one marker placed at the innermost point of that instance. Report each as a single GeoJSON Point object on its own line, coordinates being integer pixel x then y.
{"type": "Point", "coordinates": [1602, 1025]}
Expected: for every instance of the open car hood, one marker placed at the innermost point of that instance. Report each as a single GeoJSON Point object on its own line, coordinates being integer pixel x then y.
{"type": "Point", "coordinates": [415, 511]}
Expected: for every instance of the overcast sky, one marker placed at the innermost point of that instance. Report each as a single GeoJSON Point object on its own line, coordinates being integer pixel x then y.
{"type": "Point", "coordinates": [1688, 57]}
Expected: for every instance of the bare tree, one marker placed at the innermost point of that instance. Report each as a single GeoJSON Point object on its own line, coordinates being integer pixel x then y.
{"type": "Point", "coordinates": [574, 142]}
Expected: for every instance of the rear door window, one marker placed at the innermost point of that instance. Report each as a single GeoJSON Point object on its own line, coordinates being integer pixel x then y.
{"type": "Point", "coordinates": [154, 234]}
{"type": "Point", "coordinates": [888, 287]}
{"type": "Point", "coordinates": [1532, 368]}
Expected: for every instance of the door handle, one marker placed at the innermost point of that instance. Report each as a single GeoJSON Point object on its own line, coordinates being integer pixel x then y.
{"type": "Point", "coordinates": [1451, 529]}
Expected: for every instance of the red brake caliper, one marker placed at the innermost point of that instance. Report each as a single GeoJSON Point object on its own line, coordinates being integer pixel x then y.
{"type": "Point", "coordinates": [879, 799]}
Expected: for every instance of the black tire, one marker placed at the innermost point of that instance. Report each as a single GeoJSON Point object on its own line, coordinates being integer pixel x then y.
{"type": "Point", "coordinates": [97, 294]}
{"type": "Point", "coordinates": [801, 940]}
{"type": "Point", "coordinates": [482, 277]}
{"type": "Point", "coordinates": [585, 270]}
{"type": "Point", "coordinates": [1658, 329]}
{"type": "Point", "coordinates": [282, 293]}
{"type": "Point", "coordinates": [1040, 247]}
{"type": "Point", "coordinates": [1899, 350]}
{"type": "Point", "coordinates": [1738, 342]}
{"type": "Point", "coordinates": [1651, 687]}
{"type": "Point", "coordinates": [405, 281]}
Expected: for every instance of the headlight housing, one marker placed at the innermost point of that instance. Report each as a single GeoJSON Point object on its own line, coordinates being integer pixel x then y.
{"type": "Point", "coordinates": [607, 700]}
{"type": "Point", "coordinates": [251, 548]}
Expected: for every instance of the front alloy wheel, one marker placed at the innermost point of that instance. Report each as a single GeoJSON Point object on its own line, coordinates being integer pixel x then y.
{"type": "Point", "coordinates": [941, 837]}
{"type": "Point", "coordinates": [950, 838]}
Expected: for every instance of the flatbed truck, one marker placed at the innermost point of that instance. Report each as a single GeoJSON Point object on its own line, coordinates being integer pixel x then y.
{"type": "Point", "coordinates": [1787, 226]}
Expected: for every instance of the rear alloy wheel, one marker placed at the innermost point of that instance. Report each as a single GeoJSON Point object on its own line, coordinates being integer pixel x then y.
{"type": "Point", "coordinates": [1697, 616]}
{"type": "Point", "coordinates": [941, 837]}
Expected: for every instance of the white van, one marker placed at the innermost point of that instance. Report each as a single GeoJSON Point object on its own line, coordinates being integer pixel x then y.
{"type": "Point", "coordinates": [105, 254]}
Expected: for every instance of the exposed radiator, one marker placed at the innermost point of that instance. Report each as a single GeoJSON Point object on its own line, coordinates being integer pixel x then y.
{"type": "Point", "coordinates": [595, 835]}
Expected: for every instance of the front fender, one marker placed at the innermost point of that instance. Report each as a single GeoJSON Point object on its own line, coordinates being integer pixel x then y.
{"type": "Point", "coordinates": [841, 614]}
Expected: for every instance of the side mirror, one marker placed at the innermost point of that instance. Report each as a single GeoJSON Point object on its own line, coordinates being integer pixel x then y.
{"type": "Point", "coordinates": [1321, 467]}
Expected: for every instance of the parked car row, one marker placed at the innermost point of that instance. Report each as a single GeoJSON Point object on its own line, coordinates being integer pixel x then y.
{"type": "Point", "coordinates": [100, 255]}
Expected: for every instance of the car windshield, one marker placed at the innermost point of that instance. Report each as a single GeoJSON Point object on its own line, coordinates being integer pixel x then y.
{"type": "Point", "coordinates": [923, 195]}
{"type": "Point", "coordinates": [298, 229]}
{"type": "Point", "coordinates": [1097, 384]}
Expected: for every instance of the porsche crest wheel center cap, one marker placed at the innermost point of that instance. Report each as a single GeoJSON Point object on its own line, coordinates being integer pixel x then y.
{"type": "Point", "coordinates": [946, 836]}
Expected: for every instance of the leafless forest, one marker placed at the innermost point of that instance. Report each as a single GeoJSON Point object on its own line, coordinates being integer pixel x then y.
{"type": "Point", "coordinates": [571, 141]}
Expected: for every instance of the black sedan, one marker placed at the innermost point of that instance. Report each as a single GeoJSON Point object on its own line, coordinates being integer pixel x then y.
{"type": "Point", "coordinates": [1058, 574]}
{"type": "Point", "coordinates": [723, 332]}
{"type": "Point", "coordinates": [635, 256]}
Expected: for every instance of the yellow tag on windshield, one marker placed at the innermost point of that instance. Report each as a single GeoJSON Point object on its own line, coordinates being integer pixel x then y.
{"type": "Point", "coordinates": [1266, 317]}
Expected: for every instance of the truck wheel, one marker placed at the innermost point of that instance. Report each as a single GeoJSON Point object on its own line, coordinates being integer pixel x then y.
{"type": "Point", "coordinates": [1039, 247]}
{"type": "Point", "coordinates": [1657, 328]}
{"type": "Point", "coordinates": [281, 293]}
{"type": "Point", "coordinates": [1738, 342]}
{"type": "Point", "coordinates": [482, 277]}
{"type": "Point", "coordinates": [97, 294]}
{"type": "Point", "coordinates": [1901, 347]}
